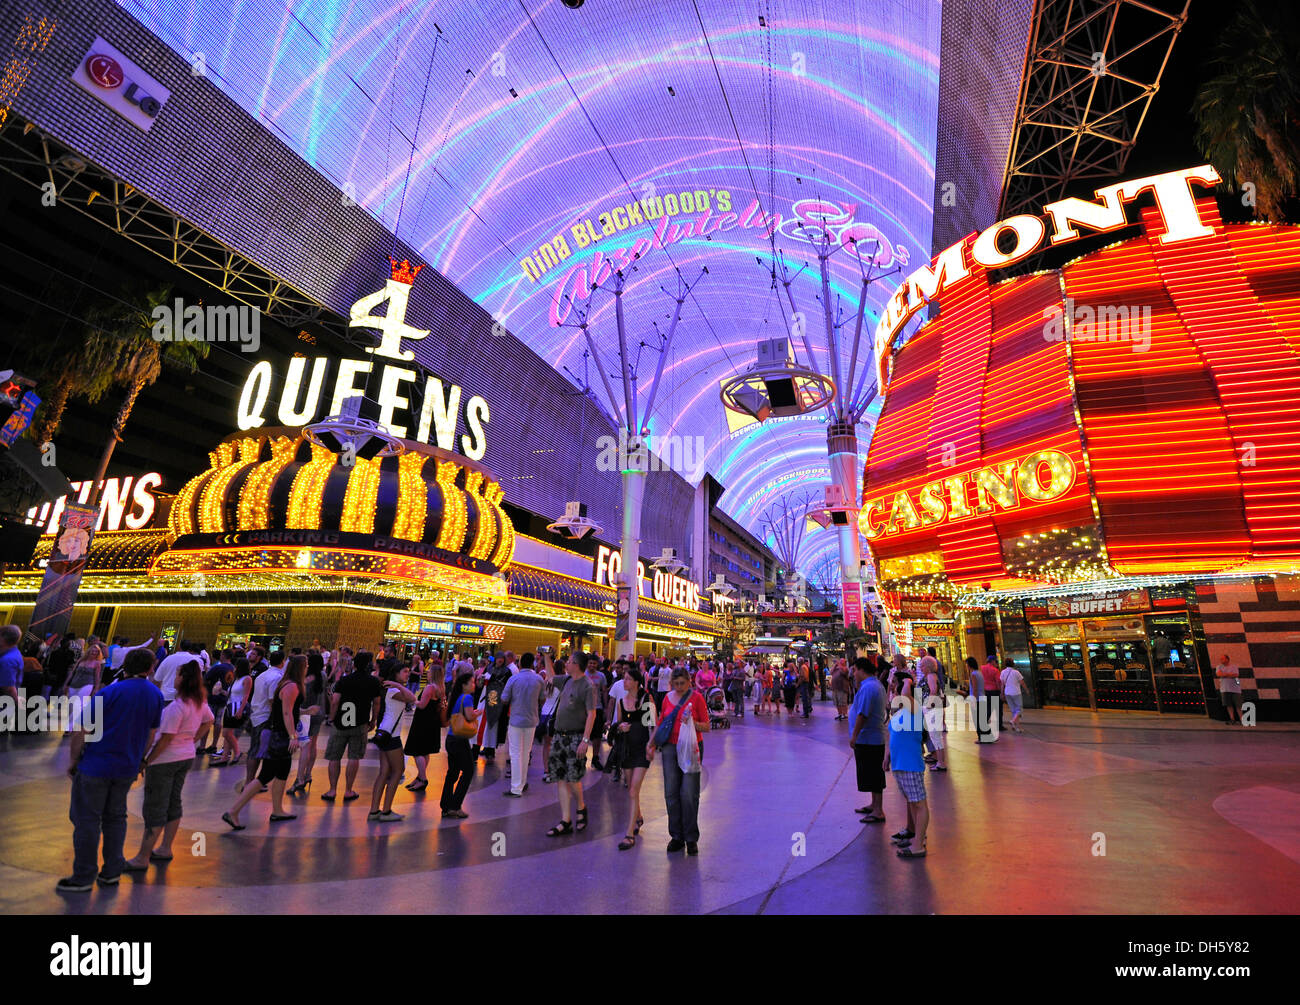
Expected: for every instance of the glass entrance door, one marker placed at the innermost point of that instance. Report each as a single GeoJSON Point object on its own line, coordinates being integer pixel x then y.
{"type": "Point", "coordinates": [1121, 674]}
{"type": "Point", "coordinates": [1061, 674]}
{"type": "Point", "coordinates": [1173, 656]}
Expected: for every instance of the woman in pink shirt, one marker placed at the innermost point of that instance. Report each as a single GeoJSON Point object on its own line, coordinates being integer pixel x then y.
{"type": "Point", "coordinates": [705, 678]}
{"type": "Point", "coordinates": [185, 724]}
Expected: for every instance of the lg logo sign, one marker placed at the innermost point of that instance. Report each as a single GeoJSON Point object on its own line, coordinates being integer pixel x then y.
{"type": "Point", "coordinates": [104, 71]}
{"type": "Point", "coordinates": [113, 79]}
{"type": "Point", "coordinates": [107, 73]}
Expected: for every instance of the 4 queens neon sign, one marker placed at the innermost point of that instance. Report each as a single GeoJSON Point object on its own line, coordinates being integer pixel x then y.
{"type": "Point", "coordinates": [1173, 200]}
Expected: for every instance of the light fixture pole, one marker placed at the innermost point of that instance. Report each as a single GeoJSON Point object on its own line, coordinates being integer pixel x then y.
{"type": "Point", "coordinates": [633, 418]}
{"type": "Point", "coordinates": [844, 411]}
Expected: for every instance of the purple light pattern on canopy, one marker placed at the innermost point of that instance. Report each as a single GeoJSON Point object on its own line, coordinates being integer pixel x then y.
{"type": "Point", "coordinates": [497, 175]}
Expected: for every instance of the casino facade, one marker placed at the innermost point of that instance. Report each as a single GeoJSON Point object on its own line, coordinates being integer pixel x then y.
{"type": "Point", "coordinates": [1095, 470]}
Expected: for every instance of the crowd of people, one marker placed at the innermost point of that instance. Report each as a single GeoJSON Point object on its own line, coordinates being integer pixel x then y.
{"type": "Point", "coordinates": [163, 711]}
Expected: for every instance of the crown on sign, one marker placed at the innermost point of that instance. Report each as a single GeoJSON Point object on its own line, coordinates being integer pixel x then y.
{"type": "Point", "coordinates": [403, 272]}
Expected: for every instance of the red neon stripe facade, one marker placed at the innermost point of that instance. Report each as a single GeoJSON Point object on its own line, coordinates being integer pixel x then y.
{"type": "Point", "coordinates": [1188, 452]}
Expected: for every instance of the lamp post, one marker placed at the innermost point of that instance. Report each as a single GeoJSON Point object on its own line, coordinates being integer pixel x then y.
{"type": "Point", "coordinates": [633, 418]}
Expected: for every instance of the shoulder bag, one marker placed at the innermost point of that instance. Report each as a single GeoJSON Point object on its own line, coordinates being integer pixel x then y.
{"type": "Point", "coordinates": [463, 726]}
{"type": "Point", "coordinates": [665, 728]}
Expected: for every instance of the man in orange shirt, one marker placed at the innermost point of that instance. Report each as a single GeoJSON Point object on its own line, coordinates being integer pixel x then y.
{"type": "Point", "coordinates": [805, 688]}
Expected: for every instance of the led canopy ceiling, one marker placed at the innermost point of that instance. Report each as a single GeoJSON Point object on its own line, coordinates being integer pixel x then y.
{"type": "Point", "coordinates": [527, 150]}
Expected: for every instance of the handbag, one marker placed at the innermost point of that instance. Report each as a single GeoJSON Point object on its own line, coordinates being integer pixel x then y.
{"type": "Point", "coordinates": [665, 728]}
{"type": "Point", "coordinates": [546, 726]}
{"type": "Point", "coordinates": [463, 726]}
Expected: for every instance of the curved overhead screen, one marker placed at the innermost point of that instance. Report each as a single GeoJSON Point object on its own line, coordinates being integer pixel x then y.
{"type": "Point", "coordinates": [526, 150]}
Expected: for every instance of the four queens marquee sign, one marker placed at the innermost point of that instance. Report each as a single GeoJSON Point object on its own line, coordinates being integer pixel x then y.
{"type": "Point", "coordinates": [1173, 198]}
{"type": "Point", "coordinates": [305, 398]}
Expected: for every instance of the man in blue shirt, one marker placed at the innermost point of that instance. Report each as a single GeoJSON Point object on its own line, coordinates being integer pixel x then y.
{"type": "Point", "coordinates": [867, 737]}
{"type": "Point", "coordinates": [11, 661]}
{"type": "Point", "coordinates": [11, 670]}
{"type": "Point", "coordinates": [104, 766]}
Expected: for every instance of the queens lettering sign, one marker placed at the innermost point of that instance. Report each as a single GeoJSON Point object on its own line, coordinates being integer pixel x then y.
{"type": "Point", "coordinates": [304, 398]}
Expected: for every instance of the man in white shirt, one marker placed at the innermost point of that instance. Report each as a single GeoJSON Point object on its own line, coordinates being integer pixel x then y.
{"type": "Point", "coordinates": [1012, 686]}
{"type": "Point", "coordinates": [119, 653]}
{"type": "Point", "coordinates": [259, 709]}
{"type": "Point", "coordinates": [1228, 676]}
{"type": "Point", "coordinates": [164, 674]}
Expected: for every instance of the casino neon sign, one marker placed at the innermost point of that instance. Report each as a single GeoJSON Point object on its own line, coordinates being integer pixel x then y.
{"type": "Point", "coordinates": [1040, 477]}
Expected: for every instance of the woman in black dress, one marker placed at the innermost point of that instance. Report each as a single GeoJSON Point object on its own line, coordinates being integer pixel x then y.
{"type": "Point", "coordinates": [425, 735]}
{"type": "Point", "coordinates": [635, 723]}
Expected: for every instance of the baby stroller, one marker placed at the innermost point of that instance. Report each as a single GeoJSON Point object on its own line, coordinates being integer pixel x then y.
{"type": "Point", "coordinates": [716, 699]}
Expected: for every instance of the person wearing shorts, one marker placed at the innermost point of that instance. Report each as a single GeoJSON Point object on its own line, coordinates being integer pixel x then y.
{"type": "Point", "coordinates": [185, 722]}
{"type": "Point", "coordinates": [354, 705]}
{"type": "Point", "coordinates": [279, 744]}
{"type": "Point", "coordinates": [1229, 680]}
{"type": "Point", "coordinates": [575, 715]}
{"type": "Point", "coordinates": [1012, 688]}
{"type": "Point", "coordinates": [903, 755]}
{"type": "Point", "coordinates": [867, 738]}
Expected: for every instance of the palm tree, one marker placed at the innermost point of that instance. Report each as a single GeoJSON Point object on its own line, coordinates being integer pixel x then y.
{"type": "Point", "coordinates": [1248, 110]}
{"type": "Point", "coordinates": [139, 358]}
{"type": "Point", "coordinates": [83, 371]}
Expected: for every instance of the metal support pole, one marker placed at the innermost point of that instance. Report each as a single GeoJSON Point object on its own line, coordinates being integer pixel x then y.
{"type": "Point", "coordinates": [823, 259]}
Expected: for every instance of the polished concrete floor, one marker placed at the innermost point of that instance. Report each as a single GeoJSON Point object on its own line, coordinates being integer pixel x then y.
{"type": "Point", "coordinates": [1192, 816]}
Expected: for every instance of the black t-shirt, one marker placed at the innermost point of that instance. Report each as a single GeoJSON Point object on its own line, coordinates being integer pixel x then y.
{"type": "Point", "coordinates": [359, 691]}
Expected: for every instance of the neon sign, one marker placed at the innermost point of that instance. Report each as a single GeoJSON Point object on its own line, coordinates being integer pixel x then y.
{"type": "Point", "coordinates": [127, 503]}
{"type": "Point", "coordinates": [435, 419]}
{"type": "Point", "coordinates": [1173, 199]}
{"type": "Point", "coordinates": [677, 591]}
{"type": "Point", "coordinates": [1040, 477]}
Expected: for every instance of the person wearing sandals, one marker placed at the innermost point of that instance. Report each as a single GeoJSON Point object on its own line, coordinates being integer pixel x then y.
{"type": "Point", "coordinates": [634, 721]}
{"type": "Point", "coordinates": [867, 719]}
{"type": "Point", "coordinates": [389, 742]}
{"type": "Point", "coordinates": [279, 744]}
{"type": "Point", "coordinates": [314, 700]}
{"type": "Point", "coordinates": [903, 755]}
{"type": "Point", "coordinates": [167, 764]}
{"type": "Point", "coordinates": [682, 788]}
{"type": "Point", "coordinates": [460, 755]}
{"type": "Point", "coordinates": [425, 735]}
{"type": "Point", "coordinates": [575, 715]}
